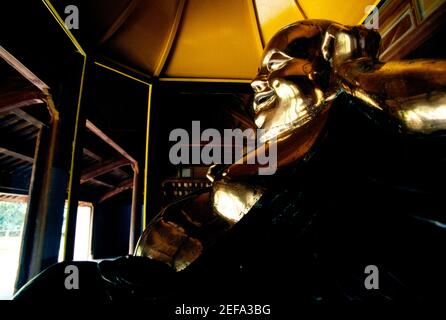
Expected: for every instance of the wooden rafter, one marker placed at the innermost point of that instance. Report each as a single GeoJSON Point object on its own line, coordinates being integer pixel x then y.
{"type": "Point", "coordinates": [19, 99]}
{"type": "Point", "coordinates": [102, 183]}
{"type": "Point", "coordinates": [98, 132]}
{"type": "Point", "coordinates": [126, 185]}
{"type": "Point", "coordinates": [94, 156]}
{"type": "Point", "coordinates": [24, 71]}
{"type": "Point", "coordinates": [102, 168]}
{"type": "Point", "coordinates": [28, 118]}
{"type": "Point", "coordinates": [16, 155]}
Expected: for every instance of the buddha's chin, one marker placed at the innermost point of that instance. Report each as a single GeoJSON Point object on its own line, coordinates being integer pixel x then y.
{"type": "Point", "coordinates": [277, 123]}
{"type": "Point", "coordinates": [272, 130]}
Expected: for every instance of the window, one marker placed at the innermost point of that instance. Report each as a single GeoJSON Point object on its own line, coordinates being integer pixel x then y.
{"type": "Point", "coordinates": [82, 240]}
{"type": "Point", "coordinates": [12, 217]}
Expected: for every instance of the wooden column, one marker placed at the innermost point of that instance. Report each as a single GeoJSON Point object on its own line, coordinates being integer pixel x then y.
{"type": "Point", "coordinates": [135, 218]}
{"type": "Point", "coordinates": [73, 194]}
{"type": "Point", "coordinates": [75, 173]}
{"type": "Point", "coordinates": [45, 207]}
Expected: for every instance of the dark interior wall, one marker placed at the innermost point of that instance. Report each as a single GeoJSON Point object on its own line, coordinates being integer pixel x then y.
{"type": "Point", "coordinates": [176, 105]}
{"type": "Point", "coordinates": [118, 106]}
{"type": "Point", "coordinates": [111, 225]}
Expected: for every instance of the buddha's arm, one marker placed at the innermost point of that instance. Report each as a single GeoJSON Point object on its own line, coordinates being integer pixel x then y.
{"type": "Point", "coordinates": [412, 91]}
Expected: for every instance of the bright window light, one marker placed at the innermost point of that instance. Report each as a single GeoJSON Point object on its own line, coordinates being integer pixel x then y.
{"type": "Point", "coordinates": [82, 240]}
{"type": "Point", "coordinates": [12, 216]}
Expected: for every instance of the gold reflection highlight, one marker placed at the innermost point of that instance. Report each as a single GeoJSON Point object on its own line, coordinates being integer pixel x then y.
{"type": "Point", "coordinates": [234, 200]}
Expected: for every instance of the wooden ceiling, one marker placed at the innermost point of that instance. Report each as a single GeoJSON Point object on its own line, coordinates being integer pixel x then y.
{"type": "Point", "coordinates": [106, 167]}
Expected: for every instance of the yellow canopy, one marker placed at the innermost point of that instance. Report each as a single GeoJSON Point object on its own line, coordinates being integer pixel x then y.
{"type": "Point", "coordinates": [224, 39]}
{"type": "Point", "coordinates": [219, 40]}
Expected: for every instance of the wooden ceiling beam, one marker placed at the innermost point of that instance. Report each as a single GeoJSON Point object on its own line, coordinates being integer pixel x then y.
{"type": "Point", "coordinates": [102, 183]}
{"type": "Point", "coordinates": [24, 71]}
{"type": "Point", "coordinates": [92, 155]}
{"type": "Point", "coordinates": [28, 118]}
{"type": "Point", "coordinates": [16, 155]}
{"type": "Point", "coordinates": [98, 132]}
{"type": "Point", "coordinates": [19, 98]}
{"type": "Point", "coordinates": [95, 157]}
{"type": "Point", "coordinates": [102, 168]}
{"type": "Point", "coordinates": [124, 186]}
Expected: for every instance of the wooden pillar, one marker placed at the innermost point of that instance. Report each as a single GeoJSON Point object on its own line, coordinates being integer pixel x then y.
{"type": "Point", "coordinates": [48, 188]}
{"type": "Point", "coordinates": [75, 177]}
{"type": "Point", "coordinates": [73, 193]}
{"type": "Point", "coordinates": [45, 208]}
{"type": "Point", "coordinates": [135, 218]}
{"type": "Point", "coordinates": [26, 265]}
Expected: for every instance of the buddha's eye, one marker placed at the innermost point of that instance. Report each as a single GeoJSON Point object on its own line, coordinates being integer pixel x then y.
{"type": "Point", "coordinates": [277, 60]}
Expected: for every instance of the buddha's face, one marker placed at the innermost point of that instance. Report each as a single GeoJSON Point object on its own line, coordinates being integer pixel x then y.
{"type": "Point", "coordinates": [296, 79]}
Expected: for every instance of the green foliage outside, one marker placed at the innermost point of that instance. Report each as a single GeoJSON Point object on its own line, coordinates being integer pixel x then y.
{"type": "Point", "coordinates": [12, 215]}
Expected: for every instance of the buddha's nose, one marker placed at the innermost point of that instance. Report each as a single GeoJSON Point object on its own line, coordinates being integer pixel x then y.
{"type": "Point", "coordinates": [260, 84]}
